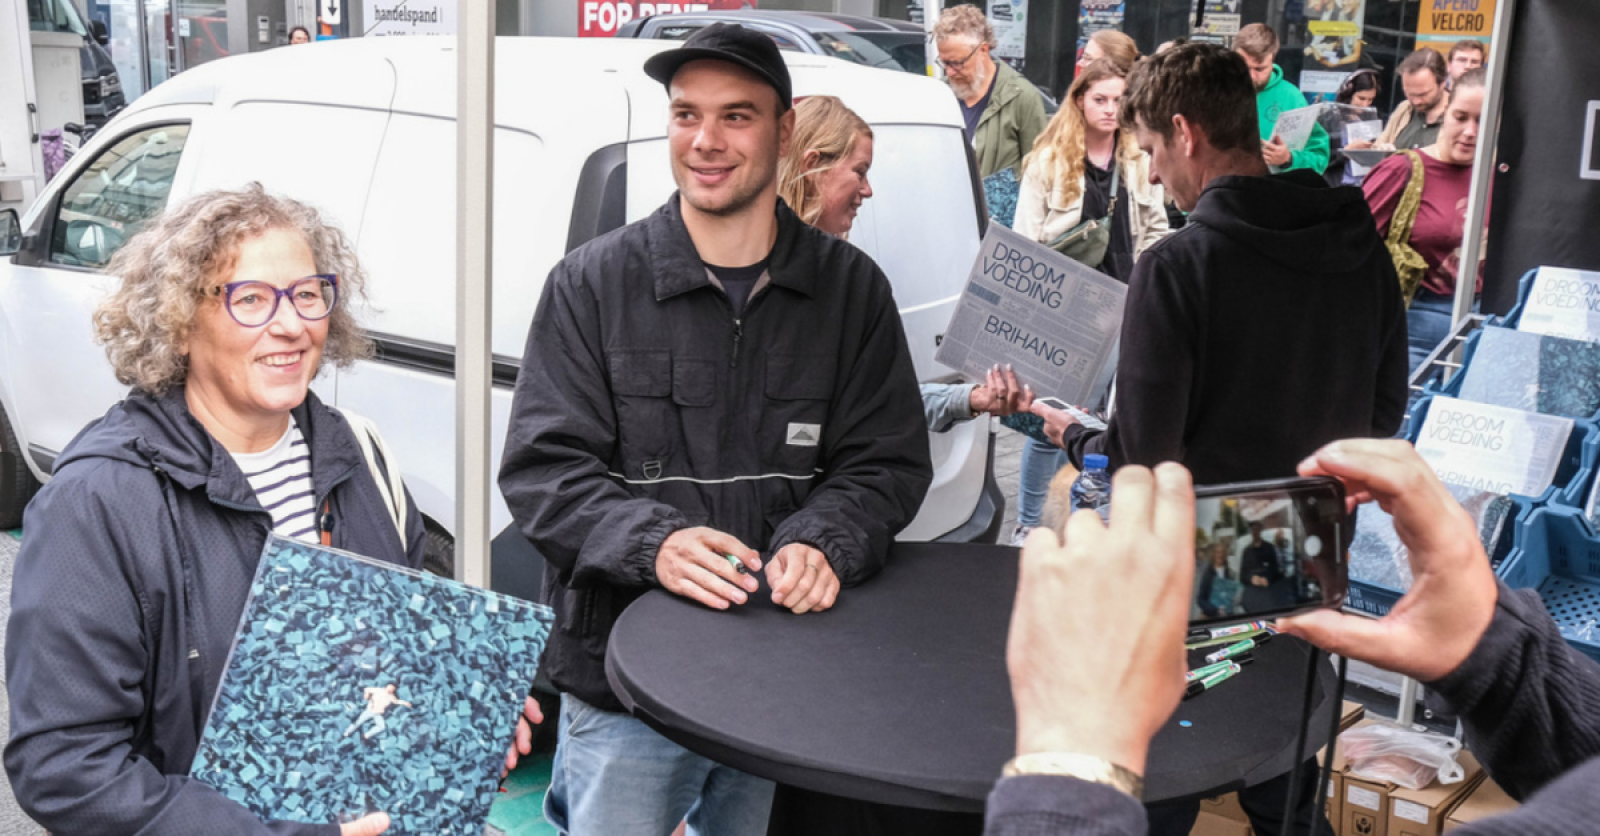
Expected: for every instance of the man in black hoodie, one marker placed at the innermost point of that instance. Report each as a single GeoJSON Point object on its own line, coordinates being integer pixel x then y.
{"type": "Point", "coordinates": [1267, 327]}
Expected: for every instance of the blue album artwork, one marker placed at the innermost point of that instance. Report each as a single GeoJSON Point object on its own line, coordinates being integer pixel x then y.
{"type": "Point", "coordinates": [356, 687]}
{"type": "Point", "coordinates": [1000, 191]}
{"type": "Point", "coordinates": [1377, 556]}
{"type": "Point", "coordinates": [1527, 371]}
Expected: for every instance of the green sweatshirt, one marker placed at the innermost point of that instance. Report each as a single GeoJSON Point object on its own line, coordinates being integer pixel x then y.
{"type": "Point", "coordinates": [1278, 97]}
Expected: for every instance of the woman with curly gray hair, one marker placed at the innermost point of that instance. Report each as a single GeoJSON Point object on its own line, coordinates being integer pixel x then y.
{"type": "Point", "coordinates": [140, 551]}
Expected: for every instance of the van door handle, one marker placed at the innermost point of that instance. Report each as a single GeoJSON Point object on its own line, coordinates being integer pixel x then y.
{"type": "Point", "coordinates": [33, 122]}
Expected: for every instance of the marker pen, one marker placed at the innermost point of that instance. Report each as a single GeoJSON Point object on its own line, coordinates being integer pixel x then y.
{"type": "Point", "coordinates": [1210, 680]}
{"type": "Point", "coordinates": [1204, 633]}
{"type": "Point", "coordinates": [1244, 658]}
{"type": "Point", "coordinates": [1239, 647]}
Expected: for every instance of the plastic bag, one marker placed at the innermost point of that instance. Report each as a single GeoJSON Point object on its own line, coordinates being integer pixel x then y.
{"type": "Point", "coordinates": [1400, 756]}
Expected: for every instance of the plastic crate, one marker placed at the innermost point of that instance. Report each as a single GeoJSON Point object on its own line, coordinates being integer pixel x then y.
{"type": "Point", "coordinates": [1524, 287]}
{"type": "Point", "coordinates": [1560, 557]}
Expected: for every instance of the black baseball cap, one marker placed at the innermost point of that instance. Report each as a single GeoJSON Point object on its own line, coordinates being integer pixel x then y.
{"type": "Point", "coordinates": [727, 42]}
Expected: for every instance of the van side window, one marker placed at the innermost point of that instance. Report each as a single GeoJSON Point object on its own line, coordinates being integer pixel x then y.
{"type": "Point", "coordinates": [116, 195]}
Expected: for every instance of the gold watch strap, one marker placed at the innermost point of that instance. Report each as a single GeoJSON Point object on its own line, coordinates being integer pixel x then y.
{"type": "Point", "coordinates": [1073, 765]}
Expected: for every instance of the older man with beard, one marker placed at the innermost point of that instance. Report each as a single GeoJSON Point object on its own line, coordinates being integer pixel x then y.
{"type": "Point", "coordinates": [1002, 110]}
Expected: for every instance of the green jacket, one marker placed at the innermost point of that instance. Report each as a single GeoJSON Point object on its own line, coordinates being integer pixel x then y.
{"type": "Point", "coordinates": [1278, 97]}
{"type": "Point", "coordinates": [1008, 126]}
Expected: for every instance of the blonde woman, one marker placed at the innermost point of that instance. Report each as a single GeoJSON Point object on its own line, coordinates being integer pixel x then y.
{"type": "Point", "coordinates": [1065, 180]}
{"type": "Point", "coordinates": [823, 178]}
{"type": "Point", "coordinates": [1109, 44]}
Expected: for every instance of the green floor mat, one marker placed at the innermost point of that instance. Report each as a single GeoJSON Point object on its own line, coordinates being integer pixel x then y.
{"type": "Point", "coordinates": [519, 811]}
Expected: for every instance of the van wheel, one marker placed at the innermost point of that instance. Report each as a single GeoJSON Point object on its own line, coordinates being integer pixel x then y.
{"type": "Point", "coordinates": [17, 484]}
{"type": "Point", "coordinates": [438, 550]}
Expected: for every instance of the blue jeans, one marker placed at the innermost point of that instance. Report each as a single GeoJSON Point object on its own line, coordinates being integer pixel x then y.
{"type": "Point", "coordinates": [1040, 463]}
{"type": "Point", "coordinates": [612, 774]}
{"type": "Point", "coordinates": [1427, 323]}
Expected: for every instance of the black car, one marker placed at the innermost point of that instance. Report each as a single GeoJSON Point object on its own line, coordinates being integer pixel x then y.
{"type": "Point", "coordinates": [872, 41]}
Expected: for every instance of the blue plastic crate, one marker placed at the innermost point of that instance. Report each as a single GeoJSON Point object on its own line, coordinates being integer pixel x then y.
{"type": "Point", "coordinates": [1560, 557]}
{"type": "Point", "coordinates": [1524, 287]}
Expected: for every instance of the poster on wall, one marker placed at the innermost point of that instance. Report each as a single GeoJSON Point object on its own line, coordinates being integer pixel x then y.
{"type": "Point", "coordinates": [1549, 148]}
{"type": "Point", "coordinates": [1440, 23]}
{"type": "Point", "coordinates": [602, 18]}
{"type": "Point", "coordinates": [404, 17]}
{"type": "Point", "coordinates": [1094, 15]}
{"type": "Point", "coordinates": [1218, 24]}
{"type": "Point", "coordinates": [1010, 21]}
{"type": "Point", "coordinates": [1333, 34]}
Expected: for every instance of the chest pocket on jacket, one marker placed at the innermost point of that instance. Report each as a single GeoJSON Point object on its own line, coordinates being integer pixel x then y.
{"type": "Point", "coordinates": [798, 389]}
{"type": "Point", "coordinates": [641, 386]}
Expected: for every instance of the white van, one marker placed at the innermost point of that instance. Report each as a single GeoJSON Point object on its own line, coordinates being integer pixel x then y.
{"type": "Point", "coordinates": [365, 129]}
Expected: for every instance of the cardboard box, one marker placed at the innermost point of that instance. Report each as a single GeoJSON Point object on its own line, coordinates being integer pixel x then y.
{"type": "Point", "coordinates": [1422, 812]}
{"type": "Point", "coordinates": [1364, 807]}
{"type": "Point", "coordinates": [1333, 806]}
{"type": "Point", "coordinates": [1226, 806]}
{"type": "Point", "coordinates": [1486, 800]}
{"type": "Point", "coordinates": [1209, 824]}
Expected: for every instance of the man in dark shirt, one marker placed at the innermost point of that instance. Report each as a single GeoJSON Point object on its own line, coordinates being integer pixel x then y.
{"type": "Point", "coordinates": [1530, 702]}
{"type": "Point", "coordinates": [1415, 123]}
{"type": "Point", "coordinates": [1260, 572]}
{"type": "Point", "coordinates": [1278, 291]}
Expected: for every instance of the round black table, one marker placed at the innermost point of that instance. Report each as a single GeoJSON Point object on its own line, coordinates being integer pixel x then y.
{"type": "Point", "coordinates": [899, 694]}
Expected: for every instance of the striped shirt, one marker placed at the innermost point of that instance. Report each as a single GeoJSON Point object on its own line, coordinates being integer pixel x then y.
{"type": "Point", "coordinates": [281, 479]}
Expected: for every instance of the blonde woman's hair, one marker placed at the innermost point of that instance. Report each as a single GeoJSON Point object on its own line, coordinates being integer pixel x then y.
{"type": "Point", "coordinates": [1062, 145]}
{"type": "Point", "coordinates": [168, 269]}
{"type": "Point", "coordinates": [1116, 47]}
{"type": "Point", "coordinates": [965, 20]}
{"type": "Point", "coordinates": [822, 124]}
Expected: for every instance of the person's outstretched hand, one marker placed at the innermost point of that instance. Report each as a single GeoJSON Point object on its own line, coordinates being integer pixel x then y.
{"type": "Point", "coordinates": [1001, 393]}
{"type": "Point", "coordinates": [531, 716]}
{"type": "Point", "coordinates": [1434, 626]}
{"type": "Point", "coordinates": [369, 825]}
{"type": "Point", "coordinates": [1096, 646]}
{"type": "Point", "coordinates": [1056, 421]}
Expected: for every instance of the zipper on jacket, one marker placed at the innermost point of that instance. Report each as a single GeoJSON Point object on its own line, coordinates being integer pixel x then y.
{"type": "Point", "coordinates": [738, 333]}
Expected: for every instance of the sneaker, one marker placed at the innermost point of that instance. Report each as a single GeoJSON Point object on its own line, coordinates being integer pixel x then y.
{"type": "Point", "coordinates": [1020, 534]}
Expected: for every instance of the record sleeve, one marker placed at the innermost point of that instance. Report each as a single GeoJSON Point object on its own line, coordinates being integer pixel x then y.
{"type": "Point", "coordinates": [356, 686]}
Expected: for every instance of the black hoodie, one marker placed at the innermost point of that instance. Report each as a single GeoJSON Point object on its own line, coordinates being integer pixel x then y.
{"type": "Point", "coordinates": [135, 569]}
{"type": "Point", "coordinates": [1268, 326]}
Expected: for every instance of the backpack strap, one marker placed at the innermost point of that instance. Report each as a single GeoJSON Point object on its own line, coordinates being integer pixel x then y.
{"type": "Point", "coordinates": [381, 462]}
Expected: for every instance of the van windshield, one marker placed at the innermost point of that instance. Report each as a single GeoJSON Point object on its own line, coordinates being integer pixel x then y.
{"type": "Point", "coordinates": [887, 50]}
{"type": "Point", "coordinates": [55, 16]}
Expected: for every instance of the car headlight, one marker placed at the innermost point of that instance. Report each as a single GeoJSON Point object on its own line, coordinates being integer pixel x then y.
{"type": "Point", "coordinates": [109, 84]}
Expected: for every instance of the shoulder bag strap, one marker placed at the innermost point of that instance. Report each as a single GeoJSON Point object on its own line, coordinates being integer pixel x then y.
{"type": "Point", "coordinates": [1405, 213]}
{"type": "Point", "coordinates": [385, 472]}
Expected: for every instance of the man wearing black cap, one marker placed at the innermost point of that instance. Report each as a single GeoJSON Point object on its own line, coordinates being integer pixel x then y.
{"type": "Point", "coordinates": [714, 391]}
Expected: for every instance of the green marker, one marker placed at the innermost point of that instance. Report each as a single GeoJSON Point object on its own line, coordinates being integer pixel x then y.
{"type": "Point", "coordinates": [1211, 680]}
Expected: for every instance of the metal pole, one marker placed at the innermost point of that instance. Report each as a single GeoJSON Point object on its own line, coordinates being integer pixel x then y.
{"type": "Point", "coordinates": [474, 283]}
{"type": "Point", "coordinates": [931, 9]}
{"type": "Point", "coordinates": [1406, 714]}
{"type": "Point", "coordinates": [1483, 163]}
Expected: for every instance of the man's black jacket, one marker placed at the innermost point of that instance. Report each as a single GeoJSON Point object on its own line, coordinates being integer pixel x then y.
{"type": "Point", "coordinates": [643, 407]}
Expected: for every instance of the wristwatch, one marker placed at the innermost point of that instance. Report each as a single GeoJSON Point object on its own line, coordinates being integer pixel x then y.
{"type": "Point", "coordinates": [1083, 767]}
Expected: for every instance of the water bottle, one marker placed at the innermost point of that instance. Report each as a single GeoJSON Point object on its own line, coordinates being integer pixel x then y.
{"type": "Point", "coordinates": [1092, 489]}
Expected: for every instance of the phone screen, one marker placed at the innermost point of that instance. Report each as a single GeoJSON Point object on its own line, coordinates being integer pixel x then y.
{"type": "Point", "coordinates": [1266, 549]}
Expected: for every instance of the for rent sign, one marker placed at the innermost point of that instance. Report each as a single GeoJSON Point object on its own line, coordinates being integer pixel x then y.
{"type": "Point", "coordinates": [601, 18]}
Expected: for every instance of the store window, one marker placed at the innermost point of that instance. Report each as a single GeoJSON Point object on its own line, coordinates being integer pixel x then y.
{"type": "Point", "coordinates": [112, 198]}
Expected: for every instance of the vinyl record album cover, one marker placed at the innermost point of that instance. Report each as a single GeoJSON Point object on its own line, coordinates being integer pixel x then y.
{"type": "Point", "coordinates": [356, 686]}
{"type": "Point", "coordinates": [1544, 374]}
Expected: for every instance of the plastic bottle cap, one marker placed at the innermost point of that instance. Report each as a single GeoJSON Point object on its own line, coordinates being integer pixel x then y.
{"type": "Point", "coordinates": [1095, 461]}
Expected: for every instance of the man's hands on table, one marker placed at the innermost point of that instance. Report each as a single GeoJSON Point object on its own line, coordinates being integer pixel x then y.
{"type": "Point", "coordinates": [693, 562]}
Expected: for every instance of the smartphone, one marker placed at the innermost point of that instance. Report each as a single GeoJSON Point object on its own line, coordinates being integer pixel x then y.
{"type": "Point", "coordinates": [1082, 417]}
{"type": "Point", "coordinates": [1266, 549]}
